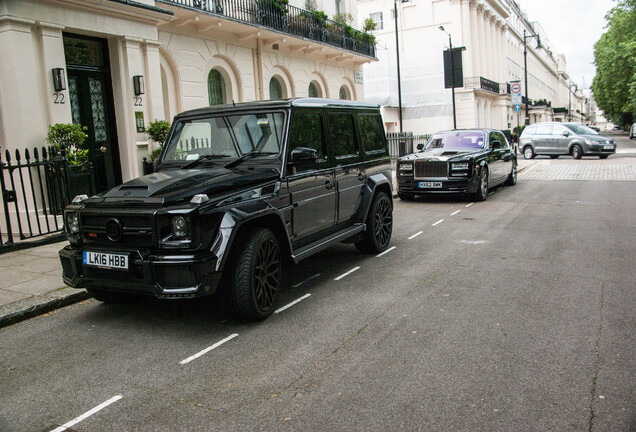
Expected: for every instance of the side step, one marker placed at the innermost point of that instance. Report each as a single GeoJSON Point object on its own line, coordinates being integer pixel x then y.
{"type": "Point", "coordinates": [338, 236]}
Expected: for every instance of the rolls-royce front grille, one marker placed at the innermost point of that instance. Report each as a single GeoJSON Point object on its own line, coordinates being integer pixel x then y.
{"type": "Point", "coordinates": [431, 169]}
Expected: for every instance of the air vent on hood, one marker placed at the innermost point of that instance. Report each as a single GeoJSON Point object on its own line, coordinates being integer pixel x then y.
{"type": "Point", "coordinates": [449, 153]}
{"type": "Point", "coordinates": [132, 187]}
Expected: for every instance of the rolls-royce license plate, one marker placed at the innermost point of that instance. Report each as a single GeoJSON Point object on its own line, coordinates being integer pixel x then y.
{"type": "Point", "coordinates": [430, 185]}
{"type": "Point", "coordinates": [106, 260]}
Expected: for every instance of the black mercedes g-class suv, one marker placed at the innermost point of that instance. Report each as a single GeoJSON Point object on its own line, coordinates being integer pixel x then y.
{"type": "Point", "coordinates": [237, 190]}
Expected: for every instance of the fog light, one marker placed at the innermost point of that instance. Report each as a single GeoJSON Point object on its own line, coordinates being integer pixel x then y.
{"type": "Point", "coordinates": [179, 226]}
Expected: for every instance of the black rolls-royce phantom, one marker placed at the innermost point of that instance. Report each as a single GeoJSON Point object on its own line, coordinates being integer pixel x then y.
{"type": "Point", "coordinates": [458, 161]}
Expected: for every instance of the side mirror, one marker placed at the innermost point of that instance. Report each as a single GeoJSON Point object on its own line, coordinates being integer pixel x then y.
{"type": "Point", "coordinates": [496, 144]}
{"type": "Point", "coordinates": [420, 147]}
{"type": "Point", "coordinates": [566, 134]}
{"type": "Point", "coordinates": [303, 155]}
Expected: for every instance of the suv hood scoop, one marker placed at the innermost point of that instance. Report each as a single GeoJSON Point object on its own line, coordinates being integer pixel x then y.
{"type": "Point", "coordinates": [176, 185]}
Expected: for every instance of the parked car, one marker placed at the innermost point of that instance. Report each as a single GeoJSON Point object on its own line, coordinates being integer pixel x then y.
{"type": "Point", "coordinates": [632, 132]}
{"type": "Point", "coordinates": [238, 189]}
{"type": "Point", "coordinates": [458, 161]}
{"type": "Point", "coordinates": [557, 139]}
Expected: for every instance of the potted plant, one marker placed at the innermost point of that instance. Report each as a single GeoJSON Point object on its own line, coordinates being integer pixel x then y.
{"type": "Point", "coordinates": [157, 131]}
{"type": "Point", "coordinates": [70, 138]}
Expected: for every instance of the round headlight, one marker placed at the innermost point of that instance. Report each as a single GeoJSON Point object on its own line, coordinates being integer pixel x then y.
{"type": "Point", "coordinates": [72, 223]}
{"type": "Point", "coordinates": [179, 226]}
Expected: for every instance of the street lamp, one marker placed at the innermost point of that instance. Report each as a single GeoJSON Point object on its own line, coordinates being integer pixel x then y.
{"type": "Point", "coordinates": [525, 66]}
{"type": "Point", "coordinates": [397, 53]}
{"type": "Point", "coordinates": [450, 48]}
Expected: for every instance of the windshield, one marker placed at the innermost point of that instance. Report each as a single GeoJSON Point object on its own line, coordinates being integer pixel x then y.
{"type": "Point", "coordinates": [457, 140]}
{"type": "Point", "coordinates": [581, 130]}
{"type": "Point", "coordinates": [226, 137]}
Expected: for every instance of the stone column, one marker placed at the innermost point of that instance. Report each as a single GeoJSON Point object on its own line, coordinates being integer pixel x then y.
{"type": "Point", "coordinates": [474, 37]}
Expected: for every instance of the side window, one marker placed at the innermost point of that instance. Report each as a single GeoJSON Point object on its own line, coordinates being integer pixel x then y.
{"type": "Point", "coordinates": [371, 132]}
{"type": "Point", "coordinates": [341, 134]}
{"type": "Point", "coordinates": [544, 130]}
{"type": "Point", "coordinates": [558, 130]}
{"type": "Point", "coordinates": [504, 140]}
{"type": "Point", "coordinates": [492, 138]}
{"type": "Point", "coordinates": [307, 131]}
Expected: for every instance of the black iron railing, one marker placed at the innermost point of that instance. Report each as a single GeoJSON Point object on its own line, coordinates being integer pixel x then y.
{"type": "Point", "coordinates": [287, 19]}
{"type": "Point", "coordinates": [482, 83]}
{"type": "Point", "coordinates": [36, 186]}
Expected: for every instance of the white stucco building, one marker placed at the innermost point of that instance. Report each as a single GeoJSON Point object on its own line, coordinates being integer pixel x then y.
{"type": "Point", "coordinates": [185, 54]}
{"type": "Point", "coordinates": [492, 33]}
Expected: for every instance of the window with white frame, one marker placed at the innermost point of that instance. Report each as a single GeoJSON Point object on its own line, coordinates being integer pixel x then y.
{"type": "Point", "coordinates": [377, 19]}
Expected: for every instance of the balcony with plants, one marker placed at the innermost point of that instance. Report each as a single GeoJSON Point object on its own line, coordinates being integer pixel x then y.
{"type": "Point", "coordinates": [280, 17]}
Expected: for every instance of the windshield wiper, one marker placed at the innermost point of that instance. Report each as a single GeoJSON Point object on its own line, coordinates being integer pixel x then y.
{"type": "Point", "coordinates": [202, 158]}
{"type": "Point", "coordinates": [240, 160]}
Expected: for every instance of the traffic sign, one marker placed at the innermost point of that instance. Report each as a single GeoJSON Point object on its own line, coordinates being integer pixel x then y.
{"type": "Point", "coordinates": [515, 94]}
{"type": "Point", "coordinates": [517, 108]}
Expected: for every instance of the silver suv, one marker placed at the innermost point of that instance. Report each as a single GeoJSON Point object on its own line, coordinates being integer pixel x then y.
{"type": "Point", "coordinates": [555, 139]}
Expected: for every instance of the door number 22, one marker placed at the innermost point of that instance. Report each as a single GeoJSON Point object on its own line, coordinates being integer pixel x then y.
{"type": "Point", "coordinates": [58, 98]}
{"type": "Point", "coordinates": [138, 101]}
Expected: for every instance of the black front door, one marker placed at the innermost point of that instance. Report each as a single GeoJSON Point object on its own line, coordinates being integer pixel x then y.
{"type": "Point", "coordinates": [91, 98]}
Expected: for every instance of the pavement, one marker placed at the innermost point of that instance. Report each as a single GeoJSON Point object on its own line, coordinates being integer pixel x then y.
{"type": "Point", "coordinates": [31, 282]}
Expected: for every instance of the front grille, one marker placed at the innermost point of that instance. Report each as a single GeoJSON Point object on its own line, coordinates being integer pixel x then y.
{"type": "Point", "coordinates": [175, 276]}
{"type": "Point", "coordinates": [136, 229]}
{"type": "Point", "coordinates": [431, 169]}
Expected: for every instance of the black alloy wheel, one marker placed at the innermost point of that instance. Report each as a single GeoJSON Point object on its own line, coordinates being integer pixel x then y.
{"type": "Point", "coordinates": [257, 275]}
{"type": "Point", "coordinates": [379, 222]}
{"type": "Point", "coordinates": [482, 190]}
{"type": "Point", "coordinates": [577, 151]}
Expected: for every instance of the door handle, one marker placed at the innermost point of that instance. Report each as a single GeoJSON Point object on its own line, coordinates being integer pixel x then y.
{"type": "Point", "coordinates": [329, 184]}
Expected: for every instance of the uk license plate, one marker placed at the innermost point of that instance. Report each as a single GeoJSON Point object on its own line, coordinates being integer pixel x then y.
{"type": "Point", "coordinates": [430, 185]}
{"type": "Point", "coordinates": [608, 147]}
{"type": "Point", "coordinates": [106, 260]}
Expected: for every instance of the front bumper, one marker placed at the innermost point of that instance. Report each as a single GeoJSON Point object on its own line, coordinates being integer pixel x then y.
{"type": "Point", "coordinates": [599, 149]}
{"type": "Point", "coordinates": [448, 185]}
{"type": "Point", "coordinates": [162, 275]}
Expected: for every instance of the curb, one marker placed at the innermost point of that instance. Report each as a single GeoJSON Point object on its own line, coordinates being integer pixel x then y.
{"type": "Point", "coordinates": [34, 306]}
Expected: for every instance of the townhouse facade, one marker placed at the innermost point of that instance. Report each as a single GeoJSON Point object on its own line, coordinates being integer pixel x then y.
{"type": "Point", "coordinates": [490, 36]}
{"type": "Point", "coordinates": [112, 66]}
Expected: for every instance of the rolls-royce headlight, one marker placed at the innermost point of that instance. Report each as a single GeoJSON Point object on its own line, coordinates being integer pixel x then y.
{"type": "Point", "coordinates": [460, 166]}
{"type": "Point", "coordinates": [179, 226]}
{"type": "Point", "coordinates": [72, 223]}
{"type": "Point", "coordinates": [406, 167]}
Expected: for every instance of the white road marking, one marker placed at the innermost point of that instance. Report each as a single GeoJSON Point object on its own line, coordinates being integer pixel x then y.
{"type": "Point", "coordinates": [474, 242]}
{"type": "Point", "coordinates": [306, 280]}
{"type": "Point", "coordinates": [455, 212]}
{"type": "Point", "coordinates": [469, 205]}
{"type": "Point", "coordinates": [438, 222]}
{"type": "Point", "coordinates": [347, 273]}
{"type": "Point", "coordinates": [415, 235]}
{"type": "Point", "coordinates": [386, 251]}
{"type": "Point", "coordinates": [292, 303]}
{"type": "Point", "coordinates": [210, 348]}
{"type": "Point", "coordinates": [87, 414]}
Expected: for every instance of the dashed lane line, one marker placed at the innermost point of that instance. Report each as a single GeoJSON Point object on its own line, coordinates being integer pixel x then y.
{"type": "Point", "coordinates": [347, 273]}
{"type": "Point", "coordinates": [415, 235]}
{"type": "Point", "coordinates": [208, 349]}
{"type": "Point", "coordinates": [87, 414]}
{"type": "Point", "coordinates": [292, 303]}
{"type": "Point", "coordinates": [438, 222]}
{"type": "Point", "coordinates": [455, 212]}
{"type": "Point", "coordinates": [386, 251]}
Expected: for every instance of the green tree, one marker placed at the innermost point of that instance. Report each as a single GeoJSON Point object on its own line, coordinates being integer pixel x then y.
{"type": "Point", "coordinates": [614, 85]}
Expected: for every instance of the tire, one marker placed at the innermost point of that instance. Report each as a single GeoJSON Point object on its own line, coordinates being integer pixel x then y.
{"type": "Point", "coordinates": [512, 178]}
{"type": "Point", "coordinates": [554, 156]}
{"type": "Point", "coordinates": [577, 151]}
{"type": "Point", "coordinates": [482, 190]}
{"type": "Point", "coordinates": [406, 196]}
{"type": "Point", "coordinates": [379, 222]}
{"type": "Point", "coordinates": [528, 152]}
{"type": "Point", "coordinates": [603, 156]}
{"type": "Point", "coordinates": [256, 275]}
{"type": "Point", "coordinates": [111, 297]}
